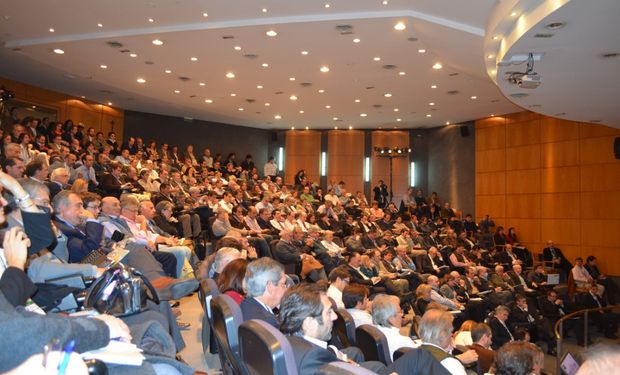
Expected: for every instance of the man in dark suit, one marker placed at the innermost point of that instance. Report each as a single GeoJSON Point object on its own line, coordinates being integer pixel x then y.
{"type": "Point", "coordinates": [607, 321]}
{"type": "Point", "coordinates": [266, 283]}
{"type": "Point", "coordinates": [307, 316]}
{"type": "Point", "coordinates": [481, 336]}
{"type": "Point", "coordinates": [553, 309]}
{"type": "Point", "coordinates": [554, 254]}
{"type": "Point", "coordinates": [433, 263]}
{"type": "Point", "coordinates": [110, 183]}
{"type": "Point", "coordinates": [525, 315]}
{"type": "Point", "coordinates": [59, 178]}
{"type": "Point", "coordinates": [499, 327]}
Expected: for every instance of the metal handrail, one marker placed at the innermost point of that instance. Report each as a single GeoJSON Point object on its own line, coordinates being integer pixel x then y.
{"type": "Point", "coordinates": [559, 332]}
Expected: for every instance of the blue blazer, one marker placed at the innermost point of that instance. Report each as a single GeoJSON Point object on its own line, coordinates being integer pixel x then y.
{"type": "Point", "coordinates": [81, 242]}
{"type": "Point", "coordinates": [252, 309]}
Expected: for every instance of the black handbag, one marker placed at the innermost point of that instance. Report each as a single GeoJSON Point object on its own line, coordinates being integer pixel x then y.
{"type": "Point", "coordinates": [120, 291]}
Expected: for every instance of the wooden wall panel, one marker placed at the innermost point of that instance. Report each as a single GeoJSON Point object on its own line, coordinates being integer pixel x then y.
{"type": "Point", "coordinates": [562, 183]}
{"type": "Point", "coordinates": [524, 157]}
{"type": "Point", "coordinates": [302, 150]}
{"type": "Point", "coordinates": [345, 153]}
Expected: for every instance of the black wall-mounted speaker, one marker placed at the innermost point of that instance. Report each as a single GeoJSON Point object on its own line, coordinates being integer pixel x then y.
{"type": "Point", "coordinates": [617, 147]}
{"type": "Point", "coordinates": [464, 131]}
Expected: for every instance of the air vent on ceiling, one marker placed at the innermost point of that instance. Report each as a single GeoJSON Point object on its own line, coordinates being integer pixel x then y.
{"type": "Point", "coordinates": [149, 62]}
{"type": "Point", "coordinates": [519, 95]}
{"type": "Point", "coordinates": [555, 25]}
{"type": "Point", "coordinates": [192, 96]}
{"type": "Point", "coordinates": [114, 44]}
{"type": "Point", "coordinates": [453, 92]}
{"type": "Point", "coordinates": [412, 39]}
{"type": "Point", "coordinates": [534, 106]}
{"type": "Point", "coordinates": [345, 29]}
{"type": "Point", "coordinates": [610, 55]}
{"type": "Point", "coordinates": [560, 114]}
{"type": "Point", "coordinates": [68, 76]}
{"type": "Point", "coordinates": [494, 100]}
{"type": "Point", "coordinates": [228, 37]}
{"type": "Point", "coordinates": [250, 100]}
{"type": "Point", "coordinates": [389, 66]}
{"type": "Point", "coordinates": [279, 92]}
{"type": "Point", "coordinates": [306, 84]}
{"type": "Point", "coordinates": [251, 56]}
{"type": "Point", "coordinates": [124, 51]}
{"type": "Point", "coordinates": [105, 91]}
{"type": "Point", "coordinates": [185, 79]}
{"type": "Point", "coordinates": [377, 105]}
{"type": "Point", "coordinates": [370, 87]}
{"type": "Point", "coordinates": [596, 121]}
{"type": "Point", "coordinates": [543, 35]}
{"type": "Point", "coordinates": [453, 74]}
{"type": "Point", "coordinates": [17, 49]}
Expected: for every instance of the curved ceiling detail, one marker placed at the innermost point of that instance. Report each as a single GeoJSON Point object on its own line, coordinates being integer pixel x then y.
{"type": "Point", "coordinates": [573, 48]}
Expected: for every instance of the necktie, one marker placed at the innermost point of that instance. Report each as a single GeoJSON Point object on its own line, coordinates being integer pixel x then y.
{"type": "Point", "coordinates": [507, 330]}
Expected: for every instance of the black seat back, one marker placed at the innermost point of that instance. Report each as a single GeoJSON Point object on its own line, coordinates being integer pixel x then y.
{"type": "Point", "coordinates": [208, 289]}
{"type": "Point", "coordinates": [400, 352]}
{"type": "Point", "coordinates": [373, 344]}
{"type": "Point", "coordinates": [344, 327]}
{"type": "Point", "coordinates": [226, 317]}
{"type": "Point", "coordinates": [343, 368]}
{"type": "Point", "coordinates": [265, 350]}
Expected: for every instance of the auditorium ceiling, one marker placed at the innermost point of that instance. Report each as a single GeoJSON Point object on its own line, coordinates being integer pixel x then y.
{"type": "Point", "coordinates": [273, 64]}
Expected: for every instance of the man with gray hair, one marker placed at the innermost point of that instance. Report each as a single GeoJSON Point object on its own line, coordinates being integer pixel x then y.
{"type": "Point", "coordinates": [224, 256]}
{"type": "Point", "coordinates": [387, 316]}
{"type": "Point", "coordinates": [265, 284]}
{"type": "Point", "coordinates": [59, 178]}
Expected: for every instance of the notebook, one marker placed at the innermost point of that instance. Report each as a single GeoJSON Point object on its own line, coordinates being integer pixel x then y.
{"type": "Point", "coordinates": [117, 352]}
{"type": "Point", "coordinates": [553, 279]}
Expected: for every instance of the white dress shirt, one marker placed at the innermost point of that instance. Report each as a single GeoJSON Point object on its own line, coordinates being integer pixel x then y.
{"type": "Point", "coordinates": [396, 340]}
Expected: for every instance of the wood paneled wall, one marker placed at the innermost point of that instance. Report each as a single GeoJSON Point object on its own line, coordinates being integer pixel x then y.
{"type": "Point", "coordinates": [345, 154]}
{"type": "Point", "coordinates": [302, 150]}
{"type": "Point", "coordinates": [380, 167]}
{"type": "Point", "coordinates": [101, 117]}
{"type": "Point", "coordinates": [551, 179]}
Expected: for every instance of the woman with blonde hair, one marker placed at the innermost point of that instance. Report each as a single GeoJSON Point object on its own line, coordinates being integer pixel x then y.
{"type": "Point", "coordinates": [79, 186]}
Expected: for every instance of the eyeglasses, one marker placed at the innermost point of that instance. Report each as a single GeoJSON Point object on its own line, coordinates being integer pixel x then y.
{"type": "Point", "coordinates": [97, 207]}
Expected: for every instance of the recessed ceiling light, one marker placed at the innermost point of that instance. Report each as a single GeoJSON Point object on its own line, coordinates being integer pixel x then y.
{"type": "Point", "coordinates": [385, 2]}
{"type": "Point", "coordinates": [399, 119]}
{"type": "Point", "coordinates": [271, 33]}
{"type": "Point", "coordinates": [109, 103]}
{"type": "Point", "coordinates": [356, 40]}
{"type": "Point", "coordinates": [494, 71]}
{"type": "Point", "coordinates": [335, 118]}
{"type": "Point", "coordinates": [327, 5]}
{"type": "Point", "coordinates": [321, 91]}
{"type": "Point", "coordinates": [141, 80]}
{"type": "Point", "coordinates": [350, 127]}
{"type": "Point", "coordinates": [431, 103]}
{"type": "Point", "coordinates": [177, 91]}
{"type": "Point", "coordinates": [401, 73]}
{"type": "Point", "coordinates": [158, 42]}
{"type": "Point", "coordinates": [259, 86]}
{"type": "Point", "coordinates": [264, 10]}
{"type": "Point", "coordinates": [194, 58]}
{"type": "Point", "coordinates": [230, 75]}
{"type": "Point", "coordinates": [291, 78]}
{"type": "Point", "coordinates": [103, 66]}
{"type": "Point", "coordinates": [421, 50]}
{"type": "Point", "coordinates": [240, 109]}
{"type": "Point", "coordinates": [447, 122]}
{"type": "Point", "coordinates": [293, 97]}
{"type": "Point", "coordinates": [205, 14]}
{"type": "Point", "coordinates": [202, 84]}
{"type": "Point", "coordinates": [167, 71]}
{"type": "Point", "coordinates": [133, 55]}
{"type": "Point", "coordinates": [208, 101]}
{"type": "Point", "coordinates": [328, 106]}
{"type": "Point", "coordinates": [433, 86]}
{"type": "Point", "coordinates": [490, 56]}
{"type": "Point", "coordinates": [277, 117]}
{"type": "Point", "coordinates": [335, 128]}
{"type": "Point", "coordinates": [265, 65]}
{"type": "Point", "coordinates": [52, 30]}
{"type": "Point", "coordinates": [437, 66]}
{"type": "Point", "coordinates": [237, 48]}
{"type": "Point", "coordinates": [99, 25]}
{"type": "Point", "coordinates": [495, 37]}
{"type": "Point", "coordinates": [363, 115]}
{"type": "Point", "coordinates": [267, 104]}
{"type": "Point", "coordinates": [58, 51]}
{"type": "Point", "coordinates": [151, 20]}
{"type": "Point", "coordinates": [304, 52]}
{"type": "Point", "coordinates": [357, 100]}
{"type": "Point", "coordinates": [233, 94]}
{"type": "Point", "coordinates": [83, 97]}
{"type": "Point", "coordinates": [324, 69]}
{"type": "Point", "coordinates": [400, 26]}
{"type": "Point", "coordinates": [513, 14]}
{"type": "Point", "coordinates": [387, 95]}
{"type": "Point", "coordinates": [377, 58]}
{"type": "Point", "coordinates": [429, 115]}
{"type": "Point", "coordinates": [302, 111]}
{"type": "Point", "coordinates": [292, 128]}
{"type": "Point", "coordinates": [307, 128]}
{"type": "Point", "coordinates": [396, 109]}
{"type": "Point", "coordinates": [474, 97]}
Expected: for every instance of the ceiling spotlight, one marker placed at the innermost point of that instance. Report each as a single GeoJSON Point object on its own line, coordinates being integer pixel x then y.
{"type": "Point", "coordinates": [177, 91]}
{"type": "Point", "coordinates": [293, 97]}
{"type": "Point", "coordinates": [141, 80]}
{"type": "Point", "coordinates": [429, 115]}
{"type": "Point", "coordinates": [230, 75]}
{"type": "Point", "coordinates": [399, 119]}
{"type": "Point", "coordinates": [304, 52]}
{"type": "Point", "coordinates": [335, 118]}
{"type": "Point", "coordinates": [357, 100]}
{"type": "Point", "coordinates": [265, 65]}
{"type": "Point", "coordinates": [302, 111]}
{"type": "Point", "coordinates": [431, 103]}
{"type": "Point", "coordinates": [327, 5]}
{"type": "Point", "coordinates": [109, 103]}
{"type": "Point", "coordinates": [350, 127]}
{"type": "Point", "coordinates": [158, 42]}
{"type": "Point", "coordinates": [307, 128]}
{"type": "Point", "coordinates": [240, 109]}
{"type": "Point", "coordinates": [400, 26]}
{"type": "Point", "coordinates": [396, 109]}
{"type": "Point", "coordinates": [133, 55]}
{"type": "Point", "coordinates": [328, 106]}
{"type": "Point", "coordinates": [377, 58]}
{"type": "Point", "coordinates": [474, 97]}
{"type": "Point", "coordinates": [202, 84]}
{"type": "Point", "coordinates": [447, 122]}
{"type": "Point", "coordinates": [52, 30]}
{"type": "Point", "coordinates": [433, 86]}
{"type": "Point", "coordinates": [205, 14]}
{"type": "Point", "coordinates": [99, 25]}
{"type": "Point", "coordinates": [237, 48]}
{"type": "Point", "coordinates": [103, 66]}
{"type": "Point", "coordinates": [271, 33]}
{"type": "Point", "coordinates": [401, 73]}
{"type": "Point", "coordinates": [385, 2]}
{"type": "Point", "coordinates": [363, 115]}
{"type": "Point", "coordinates": [387, 95]}
{"type": "Point", "coordinates": [292, 128]}
{"type": "Point", "coordinates": [356, 40]}
{"type": "Point", "coordinates": [83, 97]}
{"type": "Point", "coordinates": [277, 117]}
{"type": "Point", "coordinates": [490, 56]}
{"type": "Point", "coordinates": [259, 86]}
{"type": "Point", "coordinates": [58, 51]}
{"type": "Point", "coordinates": [267, 104]}
{"type": "Point", "coordinates": [264, 10]}
{"type": "Point", "coordinates": [321, 91]}
{"type": "Point", "coordinates": [335, 128]}
{"type": "Point", "coordinates": [495, 37]}
{"type": "Point", "coordinates": [151, 20]}
{"type": "Point", "coordinates": [513, 14]}
{"type": "Point", "coordinates": [421, 50]}
{"type": "Point", "coordinates": [324, 69]}
{"type": "Point", "coordinates": [167, 71]}
{"type": "Point", "coordinates": [437, 66]}
{"type": "Point", "coordinates": [233, 94]}
{"type": "Point", "coordinates": [194, 58]}
{"type": "Point", "coordinates": [209, 101]}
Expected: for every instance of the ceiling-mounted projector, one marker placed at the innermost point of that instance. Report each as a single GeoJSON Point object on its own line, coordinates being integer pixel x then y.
{"type": "Point", "coordinates": [529, 81]}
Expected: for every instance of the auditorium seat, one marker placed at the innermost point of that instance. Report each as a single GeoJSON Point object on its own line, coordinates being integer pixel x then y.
{"type": "Point", "coordinates": [343, 368]}
{"type": "Point", "coordinates": [344, 327]}
{"type": "Point", "coordinates": [265, 350]}
{"type": "Point", "coordinates": [208, 289]}
{"type": "Point", "coordinates": [400, 352]}
{"type": "Point", "coordinates": [226, 316]}
{"type": "Point", "coordinates": [373, 344]}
